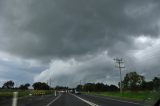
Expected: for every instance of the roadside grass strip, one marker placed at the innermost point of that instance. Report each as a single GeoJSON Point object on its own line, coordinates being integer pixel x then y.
{"type": "Point", "coordinates": [41, 92]}
{"type": "Point", "coordinates": [38, 93]}
{"type": "Point", "coordinates": [117, 100]}
{"type": "Point", "coordinates": [86, 101]}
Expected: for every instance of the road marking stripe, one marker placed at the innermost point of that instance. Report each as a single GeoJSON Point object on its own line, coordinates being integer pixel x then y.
{"type": "Point", "coordinates": [15, 98]}
{"type": "Point", "coordinates": [116, 100]}
{"type": "Point", "coordinates": [88, 102]}
{"type": "Point", "coordinates": [53, 100]}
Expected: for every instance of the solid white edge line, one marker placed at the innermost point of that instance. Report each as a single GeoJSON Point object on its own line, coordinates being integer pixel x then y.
{"type": "Point", "coordinates": [116, 100]}
{"type": "Point", "coordinates": [53, 100]}
{"type": "Point", "coordinates": [88, 102]}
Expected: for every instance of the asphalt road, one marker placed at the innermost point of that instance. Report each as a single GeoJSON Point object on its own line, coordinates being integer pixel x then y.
{"type": "Point", "coordinates": [104, 101]}
{"type": "Point", "coordinates": [29, 101]}
{"type": "Point", "coordinates": [36, 100]}
{"type": "Point", "coordinates": [67, 99]}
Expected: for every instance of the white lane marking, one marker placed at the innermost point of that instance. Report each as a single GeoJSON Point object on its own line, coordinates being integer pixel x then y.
{"type": "Point", "coordinates": [14, 101]}
{"type": "Point", "coordinates": [88, 102]}
{"type": "Point", "coordinates": [116, 100]}
{"type": "Point", "coordinates": [53, 100]}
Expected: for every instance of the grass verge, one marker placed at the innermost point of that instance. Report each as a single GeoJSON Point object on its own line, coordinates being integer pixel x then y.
{"type": "Point", "coordinates": [146, 97]}
{"type": "Point", "coordinates": [21, 93]}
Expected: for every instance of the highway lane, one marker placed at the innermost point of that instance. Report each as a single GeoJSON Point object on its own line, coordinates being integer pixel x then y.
{"type": "Point", "coordinates": [30, 101]}
{"type": "Point", "coordinates": [5, 101]}
{"type": "Point", "coordinates": [64, 99]}
{"type": "Point", "coordinates": [104, 101]}
{"type": "Point", "coordinates": [36, 100]}
{"type": "Point", "coordinates": [67, 99]}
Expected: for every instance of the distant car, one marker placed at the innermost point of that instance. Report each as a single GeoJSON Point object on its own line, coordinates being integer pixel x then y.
{"type": "Point", "coordinates": [77, 92]}
{"type": "Point", "coordinates": [72, 91]}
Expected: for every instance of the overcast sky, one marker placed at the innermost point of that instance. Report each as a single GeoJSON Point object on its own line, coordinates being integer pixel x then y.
{"type": "Point", "coordinates": [72, 40]}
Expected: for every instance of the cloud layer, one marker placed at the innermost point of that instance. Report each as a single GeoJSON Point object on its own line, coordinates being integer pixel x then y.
{"type": "Point", "coordinates": [67, 40]}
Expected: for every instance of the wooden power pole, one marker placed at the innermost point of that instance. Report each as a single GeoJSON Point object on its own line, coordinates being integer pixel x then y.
{"type": "Point", "coordinates": [119, 61]}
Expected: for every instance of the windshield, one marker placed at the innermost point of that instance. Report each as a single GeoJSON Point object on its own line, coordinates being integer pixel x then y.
{"type": "Point", "coordinates": [79, 52]}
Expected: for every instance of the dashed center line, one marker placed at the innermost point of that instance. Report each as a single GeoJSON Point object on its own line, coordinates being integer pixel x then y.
{"type": "Point", "coordinates": [88, 102]}
{"type": "Point", "coordinates": [53, 100]}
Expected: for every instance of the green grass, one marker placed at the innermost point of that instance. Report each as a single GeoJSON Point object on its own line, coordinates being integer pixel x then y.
{"type": "Point", "coordinates": [139, 96]}
{"type": "Point", "coordinates": [42, 92]}
{"type": "Point", "coordinates": [132, 95]}
{"type": "Point", "coordinates": [21, 93]}
{"type": "Point", "coordinates": [9, 93]}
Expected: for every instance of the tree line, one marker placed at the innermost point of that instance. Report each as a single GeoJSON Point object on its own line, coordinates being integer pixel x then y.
{"type": "Point", "coordinates": [37, 86]}
{"type": "Point", "coordinates": [132, 81]}
{"type": "Point", "coordinates": [96, 87]}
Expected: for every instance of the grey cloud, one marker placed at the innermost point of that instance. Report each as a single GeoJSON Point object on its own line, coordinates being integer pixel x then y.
{"type": "Point", "coordinates": [19, 73]}
{"type": "Point", "coordinates": [70, 72]}
{"type": "Point", "coordinates": [60, 30]}
{"type": "Point", "coordinates": [51, 29]}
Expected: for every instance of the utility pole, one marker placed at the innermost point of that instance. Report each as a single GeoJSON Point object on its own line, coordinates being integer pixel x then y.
{"type": "Point", "coordinates": [50, 82]}
{"type": "Point", "coordinates": [119, 61]}
{"type": "Point", "coordinates": [80, 85]}
{"type": "Point", "coordinates": [47, 82]}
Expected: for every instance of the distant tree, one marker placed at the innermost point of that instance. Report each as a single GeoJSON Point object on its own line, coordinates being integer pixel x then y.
{"type": "Point", "coordinates": [107, 88]}
{"type": "Point", "coordinates": [156, 83]}
{"type": "Point", "coordinates": [21, 87]}
{"type": "Point", "coordinates": [133, 81]}
{"type": "Point", "coordinates": [40, 86]}
{"type": "Point", "coordinates": [113, 88]}
{"type": "Point", "coordinates": [79, 87]}
{"type": "Point", "coordinates": [89, 87]}
{"type": "Point", "coordinates": [100, 87]}
{"type": "Point", "coordinates": [147, 85]}
{"type": "Point", "coordinates": [25, 86]}
{"type": "Point", "coordinates": [61, 88]}
{"type": "Point", "coordinates": [8, 85]}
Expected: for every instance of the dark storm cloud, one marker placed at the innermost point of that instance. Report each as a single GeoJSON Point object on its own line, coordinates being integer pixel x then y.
{"type": "Point", "coordinates": [62, 30]}
{"type": "Point", "coordinates": [59, 28]}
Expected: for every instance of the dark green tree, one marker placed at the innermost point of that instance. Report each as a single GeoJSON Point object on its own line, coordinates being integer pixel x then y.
{"type": "Point", "coordinates": [40, 86]}
{"type": "Point", "coordinates": [89, 87]}
{"type": "Point", "coordinates": [79, 87]}
{"type": "Point", "coordinates": [156, 83]}
{"type": "Point", "coordinates": [113, 88]}
{"type": "Point", "coordinates": [147, 85]}
{"type": "Point", "coordinates": [100, 87]}
{"type": "Point", "coordinates": [61, 88]}
{"type": "Point", "coordinates": [8, 85]}
{"type": "Point", "coordinates": [25, 86]}
{"type": "Point", "coordinates": [133, 81]}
